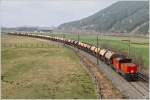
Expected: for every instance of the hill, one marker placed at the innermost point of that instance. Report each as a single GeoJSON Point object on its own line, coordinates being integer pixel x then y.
{"type": "Point", "coordinates": [122, 17]}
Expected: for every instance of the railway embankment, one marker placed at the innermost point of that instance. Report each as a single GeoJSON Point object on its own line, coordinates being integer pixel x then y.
{"type": "Point", "coordinates": [104, 86]}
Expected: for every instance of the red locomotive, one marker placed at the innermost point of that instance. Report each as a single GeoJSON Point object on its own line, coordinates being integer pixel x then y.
{"type": "Point", "coordinates": [125, 66]}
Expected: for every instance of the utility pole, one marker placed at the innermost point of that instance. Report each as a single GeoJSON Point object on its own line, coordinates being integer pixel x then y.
{"type": "Point", "coordinates": [100, 36]}
{"type": "Point", "coordinates": [78, 41]}
{"type": "Point", "coordinates": [129, 47]}
{"type": "Point", "coordinates": [41, 41]}
{"type": "Point", "coordinates": [64, 37]}
{"type": "Point", "coordinates": [97, 50]}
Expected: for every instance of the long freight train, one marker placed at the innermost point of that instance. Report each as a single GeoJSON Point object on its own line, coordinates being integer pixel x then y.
{"type": "Point", "coordinates": [120, 63]}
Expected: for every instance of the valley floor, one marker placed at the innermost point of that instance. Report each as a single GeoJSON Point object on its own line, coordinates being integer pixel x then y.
{"type": "Point", "coordinates": [36, 70]}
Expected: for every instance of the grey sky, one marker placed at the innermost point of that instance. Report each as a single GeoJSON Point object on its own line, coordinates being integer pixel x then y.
{"type": "Point", "coordinates": [47, 12]}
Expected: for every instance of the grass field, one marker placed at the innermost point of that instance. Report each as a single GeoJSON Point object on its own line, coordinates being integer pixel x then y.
{"type": "Point", "coordinates": [30, 71]}
{"type": "Point", "coordinates": [139, 48]}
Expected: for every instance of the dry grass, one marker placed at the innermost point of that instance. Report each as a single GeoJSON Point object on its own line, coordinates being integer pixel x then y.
{"type": "Point", "coordinates": [40, 73]}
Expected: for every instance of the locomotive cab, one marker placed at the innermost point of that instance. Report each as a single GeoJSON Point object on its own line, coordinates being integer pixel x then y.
{"type": "Point", "coordinates": [125, 66]}
{"type": "Point", "coordinates": [118, 61]}
{"type": "Point", "coordinates": [130, 70]}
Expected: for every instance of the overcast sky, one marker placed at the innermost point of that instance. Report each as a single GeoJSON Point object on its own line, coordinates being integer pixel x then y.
{"type": "Point", "coordinates": [47, 12]}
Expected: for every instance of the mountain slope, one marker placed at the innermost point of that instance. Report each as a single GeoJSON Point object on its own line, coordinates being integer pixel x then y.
{"type": "Point", "coordinates": [123, 16]}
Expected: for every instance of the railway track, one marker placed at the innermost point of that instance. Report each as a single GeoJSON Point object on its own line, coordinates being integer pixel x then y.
{"type": "Point", "coordinates": [143, 77]}
{"type": "Point", "coordinates": [144, 85]}
{"type": "Point", "coordinates": [140, 87]}
{"type": "Point", "coordinates": [134, 90]}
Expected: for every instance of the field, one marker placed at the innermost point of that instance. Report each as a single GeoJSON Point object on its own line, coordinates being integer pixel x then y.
{"type": "Point", "coordinates": [139, 47]}
{"type": "Point", "coordinates": [34, 69]}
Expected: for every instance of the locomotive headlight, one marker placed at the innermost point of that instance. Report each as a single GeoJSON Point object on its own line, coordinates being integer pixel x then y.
{"type": "Point", "coordinates": [132, 71]}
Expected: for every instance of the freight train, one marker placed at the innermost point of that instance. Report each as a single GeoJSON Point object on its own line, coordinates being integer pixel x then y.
{"type": "Point", "coordinates": [119, 62]}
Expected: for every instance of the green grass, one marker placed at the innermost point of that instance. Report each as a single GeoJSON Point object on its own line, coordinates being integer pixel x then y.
{"type": "Point", "coordinates": [137, 51]}
{"type": "Point", "coordinates": [30, 72]}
